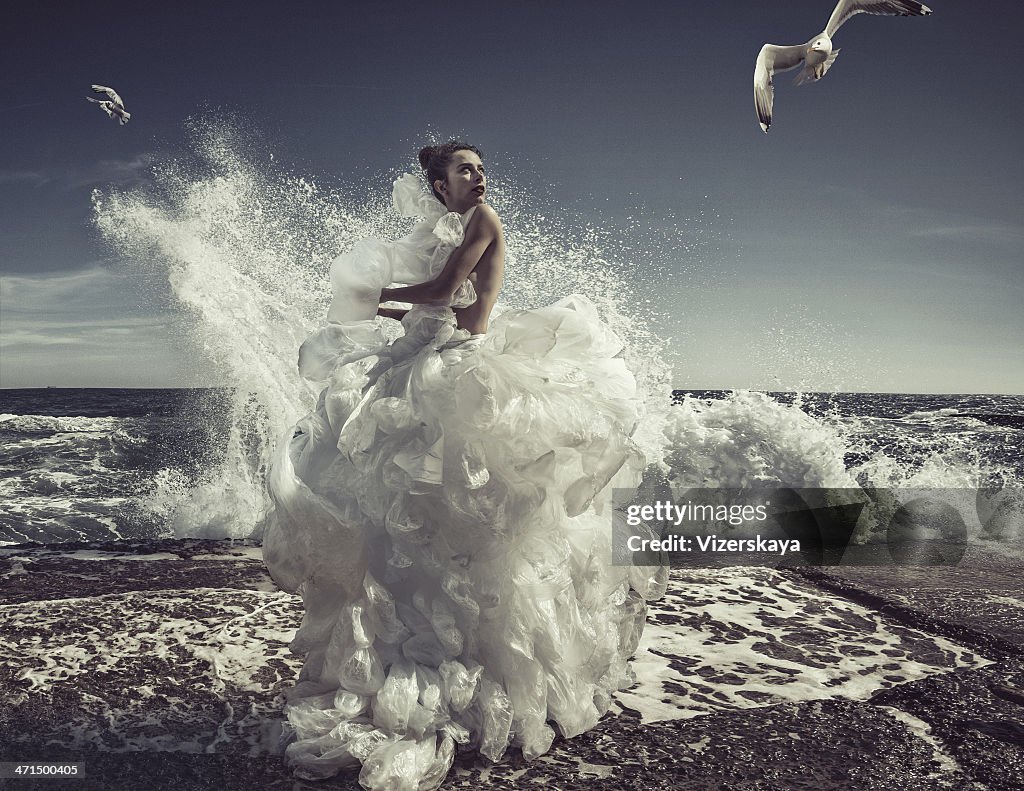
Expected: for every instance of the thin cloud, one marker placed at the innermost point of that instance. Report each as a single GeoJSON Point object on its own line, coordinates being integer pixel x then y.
{"type": "Point", "coordinates": [110, 172]}
{"type": "Point", "coordinates": [33, 177]}
{"type": "Point", "coordinates": [90, 302]}
{"type": "Point", "coordinates": [111, 326]}
{"type": "Point", "coordinates": [21, 292]}
{"type": "Point", "coordinates": [11, 339]}
{"type": "Point", "coordinates": [131, 172]}
{"type": "Point", "coordinates": [95, 333]}
{"type": "Point", "coordinates": [976, 232]}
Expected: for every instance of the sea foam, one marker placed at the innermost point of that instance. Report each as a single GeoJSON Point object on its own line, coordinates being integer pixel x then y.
{"type": "Point", "coordinates": [245, 245]}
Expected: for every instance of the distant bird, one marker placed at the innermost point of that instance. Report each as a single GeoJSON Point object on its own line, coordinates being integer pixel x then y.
{"type": "Point", "coordinates": [115, 107]}
{"type": "Point", "coordinates": [817, 54]}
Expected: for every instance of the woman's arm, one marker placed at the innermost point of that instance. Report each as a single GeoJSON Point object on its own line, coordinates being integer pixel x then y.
{"type": "Point", "coordinates": [392, 313]}
{"type": "Point", "coordinates": [484, 228]}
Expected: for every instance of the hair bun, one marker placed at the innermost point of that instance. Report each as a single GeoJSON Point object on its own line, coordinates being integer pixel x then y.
{"type": "Point", "coordinates": [425, 154]}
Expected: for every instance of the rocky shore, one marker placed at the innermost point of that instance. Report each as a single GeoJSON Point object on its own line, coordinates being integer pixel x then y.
{"type": "Point", "coordinates": [162, 664]}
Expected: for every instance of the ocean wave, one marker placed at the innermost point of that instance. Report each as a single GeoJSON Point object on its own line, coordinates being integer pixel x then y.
{"type": "Point", "coordinates": [931, 414]}
{"type": "Point", "coordinates": [996, 419]}
{"type": "Point", "coordinates": [49, 518]}
{"type": "Point", "coordinates": [49, 424]}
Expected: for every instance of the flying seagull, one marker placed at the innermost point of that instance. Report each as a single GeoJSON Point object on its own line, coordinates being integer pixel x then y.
{"type": "Point", "coordinates": [114, 107]}
{"type": "Point", "coordinates": [817, 54]}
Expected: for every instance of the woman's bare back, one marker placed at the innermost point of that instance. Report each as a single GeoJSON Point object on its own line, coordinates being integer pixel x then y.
{"type": "Point", "coordinates": [488, 274]}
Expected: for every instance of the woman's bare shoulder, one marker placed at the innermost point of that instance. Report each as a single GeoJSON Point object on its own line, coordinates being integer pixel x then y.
{"type": "Point", "coordinates": [485, 218]}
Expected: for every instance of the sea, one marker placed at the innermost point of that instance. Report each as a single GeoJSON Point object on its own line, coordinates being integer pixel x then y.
{"type": "Point", "coordinates": [85, 464]}
{"type": "Point", "coordinates": [242, 244]}
{"type": "Point", "coordinates": [242, 247]}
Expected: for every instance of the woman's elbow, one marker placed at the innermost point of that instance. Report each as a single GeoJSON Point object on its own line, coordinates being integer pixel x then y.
{"type": "Point", "coordinates": [441, 292]}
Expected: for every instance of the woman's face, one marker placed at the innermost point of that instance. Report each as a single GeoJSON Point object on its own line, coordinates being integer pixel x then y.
{"type": "Point", "coordinates": [465, 185]}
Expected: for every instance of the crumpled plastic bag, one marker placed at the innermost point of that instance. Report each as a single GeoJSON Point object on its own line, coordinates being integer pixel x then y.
{"type": "Point", "coordinates": [396, 699]}
{"type": "Point", "coordinates": [496, 720]}
{"type": "Point", "coordinates": [460, 683]}
{"type": "Point", "coordinates": [408, 765]}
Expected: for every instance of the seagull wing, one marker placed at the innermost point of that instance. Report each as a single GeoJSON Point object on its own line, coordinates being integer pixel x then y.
{"type": "Point", "coordinates": [770, 59]}
{"type": "Point", "coordinates": [847, 8]}
{"type": "Point", "coordinates": [109, 92]}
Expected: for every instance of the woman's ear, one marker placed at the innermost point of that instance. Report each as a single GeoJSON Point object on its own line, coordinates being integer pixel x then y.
{"type": "Point", "coordinates": [440, 185]}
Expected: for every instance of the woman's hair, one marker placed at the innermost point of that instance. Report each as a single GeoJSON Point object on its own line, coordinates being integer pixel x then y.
{"type": "Point", "coordinates": [435, 161]}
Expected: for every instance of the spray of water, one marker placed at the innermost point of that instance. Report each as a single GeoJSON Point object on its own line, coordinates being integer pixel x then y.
{"type": "Point", "coordinates": [245, 250]}
{"type": "Point", "coordinates": [246, 245]}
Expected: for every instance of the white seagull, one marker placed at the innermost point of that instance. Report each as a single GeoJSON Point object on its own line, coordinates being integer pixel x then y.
{"type": "Point", "coordinates": [817, 54]}
{"type": "Point", "coordinates": [114, 107]}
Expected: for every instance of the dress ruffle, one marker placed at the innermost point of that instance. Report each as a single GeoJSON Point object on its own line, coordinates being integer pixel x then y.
{"type": "Point", "coordinates": [446, 514]}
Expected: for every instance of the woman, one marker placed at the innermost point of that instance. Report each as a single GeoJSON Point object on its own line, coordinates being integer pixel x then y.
{"type": "Point", "coordinates": [446, 511]}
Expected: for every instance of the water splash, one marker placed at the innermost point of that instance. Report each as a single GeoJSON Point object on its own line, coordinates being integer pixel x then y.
{"type": "Point", "coordinates": [245, 246]}
{"type": "Point", "coordinates": [750, 440]}
{"type": "Point", "coordinates": [244, 249]}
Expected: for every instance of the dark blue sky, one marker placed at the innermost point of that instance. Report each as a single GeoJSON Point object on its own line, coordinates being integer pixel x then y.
{"type": "Point", "coordinates": [872, 240]}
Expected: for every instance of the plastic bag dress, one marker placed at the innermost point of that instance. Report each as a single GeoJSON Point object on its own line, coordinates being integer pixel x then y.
{"type": "Point", "coordinates": [446, 514]}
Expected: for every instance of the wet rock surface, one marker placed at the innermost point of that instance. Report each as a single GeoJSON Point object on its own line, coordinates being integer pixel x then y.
{"type": "Point", "coordinates": [162, 665]}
